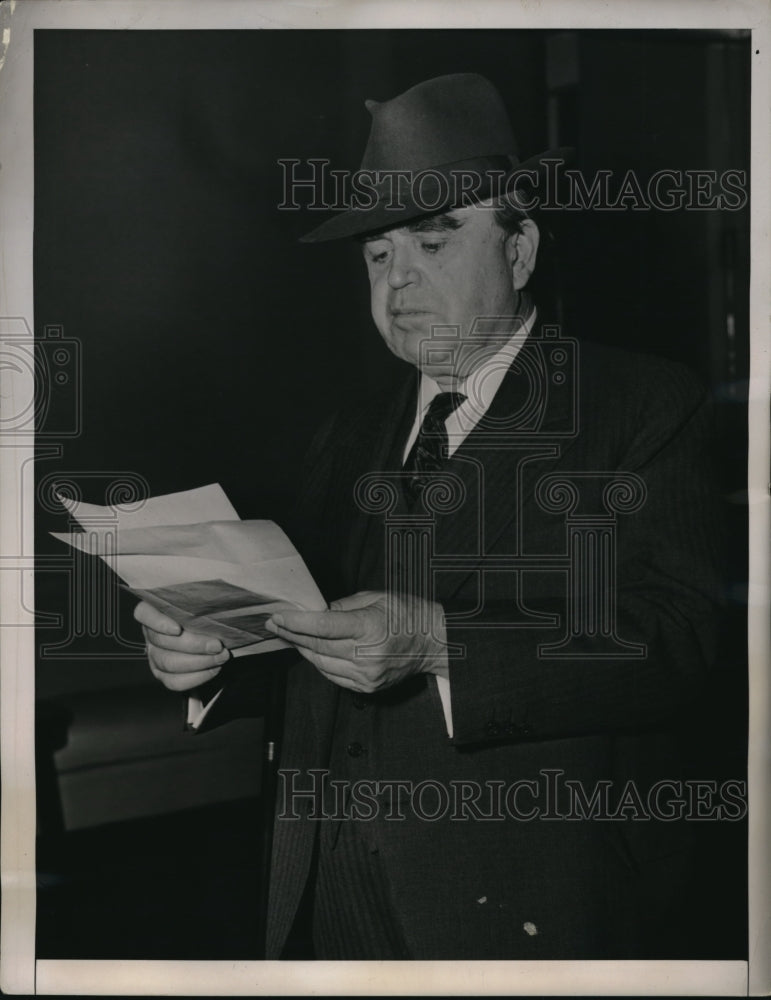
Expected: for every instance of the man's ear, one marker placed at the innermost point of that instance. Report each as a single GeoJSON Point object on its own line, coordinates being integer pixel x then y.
{"type": "Point", "coordinates": [521, 251]}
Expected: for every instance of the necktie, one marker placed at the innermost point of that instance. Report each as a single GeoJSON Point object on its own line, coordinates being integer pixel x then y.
{"type": "Point", "coordinates": [430, 448]}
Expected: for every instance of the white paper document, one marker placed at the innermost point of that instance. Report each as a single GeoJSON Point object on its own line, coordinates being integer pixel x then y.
{"type": "Point", "coordinates": [190, 556]}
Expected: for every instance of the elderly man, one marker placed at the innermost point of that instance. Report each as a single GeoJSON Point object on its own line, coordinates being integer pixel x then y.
{"type": "Point", "coordinates": [474, 728]}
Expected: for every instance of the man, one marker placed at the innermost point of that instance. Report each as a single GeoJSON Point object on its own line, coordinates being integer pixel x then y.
{"type": "Point", "coordinates": [520, 549]}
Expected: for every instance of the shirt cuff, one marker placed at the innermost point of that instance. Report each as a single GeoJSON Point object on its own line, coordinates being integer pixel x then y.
{"type": "Point", "coordinates": [443, 686]}
{"type": "Point", "coordinates": [197, 711]}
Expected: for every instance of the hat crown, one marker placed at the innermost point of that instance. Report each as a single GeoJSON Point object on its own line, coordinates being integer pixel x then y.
{"type": "Point", "coordinates": [443, 120]}
{"type": "Point", "coordinates": [455, 126]}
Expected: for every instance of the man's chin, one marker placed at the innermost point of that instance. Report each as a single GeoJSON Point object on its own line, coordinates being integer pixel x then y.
{"type": "Point", "coordinates": [408, 340]}
{"type": "Point", "coordinates": [413, 338]}
{"type": "Point", "coordinates": [443, 374]}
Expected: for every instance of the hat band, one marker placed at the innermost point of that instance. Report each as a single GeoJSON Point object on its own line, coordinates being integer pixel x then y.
{"type": "Point", "coordinates": [382, 199]}
{"type": "Point", "coordinates": [430, 189]}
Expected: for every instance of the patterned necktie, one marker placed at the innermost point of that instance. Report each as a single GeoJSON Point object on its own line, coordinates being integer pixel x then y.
{"type": "Point", "coordinates": [430, 448]}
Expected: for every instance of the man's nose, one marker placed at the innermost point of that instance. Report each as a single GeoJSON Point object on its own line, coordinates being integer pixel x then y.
{"type": "Point", "coordinates": [403, 270]}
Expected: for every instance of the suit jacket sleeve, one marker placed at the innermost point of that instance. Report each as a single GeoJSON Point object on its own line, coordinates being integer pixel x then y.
{"type": "Point", "coordinates": [667, 599]}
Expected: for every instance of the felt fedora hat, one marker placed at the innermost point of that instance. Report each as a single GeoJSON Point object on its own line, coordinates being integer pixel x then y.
{"type": "Point", "coordinates": [442, 143]}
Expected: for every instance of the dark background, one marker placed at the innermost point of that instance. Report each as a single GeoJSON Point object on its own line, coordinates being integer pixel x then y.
{"type": "Point", "coordinates": [212, 342]}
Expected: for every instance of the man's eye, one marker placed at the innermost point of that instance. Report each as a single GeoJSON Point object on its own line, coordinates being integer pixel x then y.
{"type": "Point", "coordinates": [378, 257]}
{"type": "Point", "coordinates": [431, 247]}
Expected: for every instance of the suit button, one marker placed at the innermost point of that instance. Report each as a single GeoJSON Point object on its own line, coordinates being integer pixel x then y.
{"type": "Point", "coordinates": [355, 749]}
{"type": "Point", "coordinates": [359, 702]}
{"type": "Point", "coordinates": [510, 729]}
{"type": "Point", "coordinates": [525, 729]}
{"type": "Point", "coordinates": [492, 728]}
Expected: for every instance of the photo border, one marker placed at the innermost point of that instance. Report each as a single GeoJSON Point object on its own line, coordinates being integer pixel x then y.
{"type": "Point", "coordinates": [20, 972]}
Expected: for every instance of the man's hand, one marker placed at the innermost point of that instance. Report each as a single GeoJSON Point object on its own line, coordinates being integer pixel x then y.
{"type": "Point", "coordinates": [180, 660]}
{"type": "Point", "coordinates": [414, 642]}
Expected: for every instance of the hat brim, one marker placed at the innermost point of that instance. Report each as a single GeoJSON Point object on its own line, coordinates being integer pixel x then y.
{"type": "Point", "coordinates": [397, 200]}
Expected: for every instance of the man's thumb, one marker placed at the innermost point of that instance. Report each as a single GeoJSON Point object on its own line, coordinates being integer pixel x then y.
{"type": "Point", "coordinates": [362, 599]}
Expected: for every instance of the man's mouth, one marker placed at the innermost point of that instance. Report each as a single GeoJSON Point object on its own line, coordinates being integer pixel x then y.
{"type": "Point", "coordinates": [410, 320]}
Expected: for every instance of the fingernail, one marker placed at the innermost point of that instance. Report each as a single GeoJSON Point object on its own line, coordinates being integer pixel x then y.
{"type": "Point", "coordinates": [213, 646]}
{"type": "Point", "coordinates": [224, 655]}
{"type": "Point", "coordinates": [277, 620]}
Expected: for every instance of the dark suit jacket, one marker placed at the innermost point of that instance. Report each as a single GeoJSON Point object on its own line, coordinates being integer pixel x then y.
{"type": "Point", "coordinates": [512, 887]}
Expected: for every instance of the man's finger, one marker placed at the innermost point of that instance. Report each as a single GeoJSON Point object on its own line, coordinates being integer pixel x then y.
{"type": "Point", "coordinates": [341, 649]}
{"type": "Point", "coordinates": [186, 642]}
{"type": "Point", "coordinates": [323, 624]}
{"type": "Point", "coordinates": [361, 599]}
{"type": "Point", "coordinates": [146, 614]}
{"type": "Point", "coordinates": [173, 662]}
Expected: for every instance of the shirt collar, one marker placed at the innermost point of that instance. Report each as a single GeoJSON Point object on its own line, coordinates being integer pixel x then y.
{"type": "Point", "coordinates": [480, 385]}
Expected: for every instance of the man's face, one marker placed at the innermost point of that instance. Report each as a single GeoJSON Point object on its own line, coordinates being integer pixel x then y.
{"type": "Point", "coordinates": [443, 271]}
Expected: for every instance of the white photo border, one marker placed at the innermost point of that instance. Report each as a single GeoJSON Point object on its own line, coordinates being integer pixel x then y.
{"type": "Point", "coordinates": [20, 972]}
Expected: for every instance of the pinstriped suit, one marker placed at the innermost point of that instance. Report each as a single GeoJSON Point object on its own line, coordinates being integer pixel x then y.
{"type": "Point", "coordinates": [470, 888]}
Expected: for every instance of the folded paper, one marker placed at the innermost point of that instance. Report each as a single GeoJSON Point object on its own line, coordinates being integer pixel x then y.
{"type": "Point", "coordinates": [214, 574]}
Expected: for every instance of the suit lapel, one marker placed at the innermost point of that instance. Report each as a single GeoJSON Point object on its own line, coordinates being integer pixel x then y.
{"type": "Point", "coordinates": [504, 456]}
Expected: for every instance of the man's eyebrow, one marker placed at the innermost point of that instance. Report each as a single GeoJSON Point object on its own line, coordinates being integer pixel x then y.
{"type": "Point", "coordinates": [371, 237]}
{"type": "Point", "coordinates": [435, 223]}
